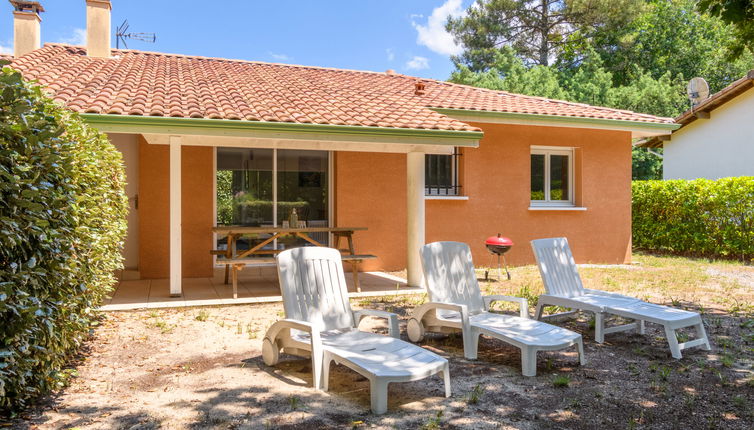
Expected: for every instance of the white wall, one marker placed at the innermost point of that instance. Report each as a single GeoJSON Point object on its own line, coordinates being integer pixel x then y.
{"type": "Point", "coordinates": [713, 148]}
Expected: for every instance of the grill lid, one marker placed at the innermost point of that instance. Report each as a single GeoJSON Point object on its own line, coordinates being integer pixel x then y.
{"type": "Point", "coordinates": [498, 240]}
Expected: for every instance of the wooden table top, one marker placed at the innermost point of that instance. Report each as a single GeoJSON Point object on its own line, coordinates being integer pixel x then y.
{"type": "Point", "coordinates": [229, 229]}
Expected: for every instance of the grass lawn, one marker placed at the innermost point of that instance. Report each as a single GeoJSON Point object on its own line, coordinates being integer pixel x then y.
{"type": "Point", "coordinates": [202, 368]}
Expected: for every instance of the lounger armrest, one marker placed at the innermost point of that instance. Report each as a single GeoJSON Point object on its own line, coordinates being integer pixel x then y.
{"type": "Point", "coordinates": [392, 319]}
{"type": "Point", "coordinates": [289, 324]}
{"type": "Point", "coordinates": [523, 304]}
{"type": "Point", "coordinates": [608, 294]}
{"type": "Point", "coordinates": [434, 306]}
{"type": "Point", "coordinates": [280, 333]}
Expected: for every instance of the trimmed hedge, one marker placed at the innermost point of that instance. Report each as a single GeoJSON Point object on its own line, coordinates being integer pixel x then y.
{"type": "Point", "coordinates": [62, 224]}
{"type": "Point", "coordinates": [701, 217]}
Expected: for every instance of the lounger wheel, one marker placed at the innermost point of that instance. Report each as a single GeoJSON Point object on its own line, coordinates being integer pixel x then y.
{"type": "Point", "coordinates": [415, 330]}
{"type": "Point", "coordinates": [270, 352]}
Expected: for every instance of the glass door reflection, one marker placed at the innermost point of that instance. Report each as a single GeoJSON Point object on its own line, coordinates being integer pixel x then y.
{"type": "Point", "coordinates": [263, 187]}
{"type": "Point", "coordinates": [245, 192]}
{"type": "Point", "coordinates": [302, 178]}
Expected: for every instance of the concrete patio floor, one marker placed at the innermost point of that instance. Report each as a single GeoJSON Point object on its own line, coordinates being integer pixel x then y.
{"type": "Point", "coordinates": [255, 285]}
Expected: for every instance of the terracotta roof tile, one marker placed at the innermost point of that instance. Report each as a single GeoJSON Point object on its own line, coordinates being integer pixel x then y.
{"type": "Point", "coordinates": [157, 84]}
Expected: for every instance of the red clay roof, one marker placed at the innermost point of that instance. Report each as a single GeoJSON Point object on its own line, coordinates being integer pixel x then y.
{"type": "Point", "coordinates": [168, 85]}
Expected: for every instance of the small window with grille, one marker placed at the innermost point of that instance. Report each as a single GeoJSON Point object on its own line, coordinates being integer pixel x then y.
{"type": "Point", "coordinates": [441, 174]}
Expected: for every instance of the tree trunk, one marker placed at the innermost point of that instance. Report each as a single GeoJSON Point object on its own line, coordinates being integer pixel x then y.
{"type": "Point", "coordinates": [544, 43]}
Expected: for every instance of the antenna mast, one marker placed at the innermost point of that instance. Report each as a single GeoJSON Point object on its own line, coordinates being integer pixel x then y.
{"type": "Point", "coordinates": [121, 34]}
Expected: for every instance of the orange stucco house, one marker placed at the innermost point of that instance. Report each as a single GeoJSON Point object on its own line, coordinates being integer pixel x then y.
{"type": "Point", "coordinates": [208, 141]}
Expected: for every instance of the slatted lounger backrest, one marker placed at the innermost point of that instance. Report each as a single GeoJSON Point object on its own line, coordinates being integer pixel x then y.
{"type": "Point", "coordinates": [449, 276]}
{"type": "Point", "coordinates": [557, 267]}
{"type": "Point", "coordinates": [314, 287]}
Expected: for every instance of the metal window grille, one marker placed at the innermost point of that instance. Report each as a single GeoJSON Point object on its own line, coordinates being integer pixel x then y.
{"type": "Point", "coordinates": [441, 174]}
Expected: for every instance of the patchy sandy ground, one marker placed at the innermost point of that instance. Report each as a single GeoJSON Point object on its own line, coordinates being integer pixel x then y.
{"type": "Point", "coordinates": [201, 368]}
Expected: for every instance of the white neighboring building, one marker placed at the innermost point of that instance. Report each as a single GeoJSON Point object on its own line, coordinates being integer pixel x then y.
{"type": "Point", "coordinates": [716, 140]}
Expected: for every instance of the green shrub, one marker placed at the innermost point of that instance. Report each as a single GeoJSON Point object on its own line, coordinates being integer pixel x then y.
{"type": "Point", "coordinates": [62, 224]}
{"type": "Point", "coordinates": [700, 217]}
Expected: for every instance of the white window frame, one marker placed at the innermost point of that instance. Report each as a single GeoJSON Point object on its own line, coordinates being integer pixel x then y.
{"type": "Point", "coordinates": [547, 151]}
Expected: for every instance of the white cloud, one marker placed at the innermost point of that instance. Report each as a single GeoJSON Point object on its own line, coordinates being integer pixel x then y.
{"type": "Point", "coordinates": [390, 54]}
{"type": "Point", "coordinates": [417, 63]}
{"type": "Point", "coordinates": [77, 37]}
{"type": "Point", "coordinates": [433, 34]}
{"type": "Point", "coordinates": [280, 57]}
{"type": "Point", "coordinates": [8, 50]}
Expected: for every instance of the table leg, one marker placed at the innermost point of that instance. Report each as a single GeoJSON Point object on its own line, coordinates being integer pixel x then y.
{"type": "Point", "coordinates": [229, 251]}
{"type": "Point", "coordinates": [236, 268]}
{"type": "Point", "coordinates": [308, 239]}
{"type": "Point", "coordinates": [350, 244]}
{"type": "Point", "coordinates": [355, 270]}
{"type": "Point", "coordinates": [260, 246]}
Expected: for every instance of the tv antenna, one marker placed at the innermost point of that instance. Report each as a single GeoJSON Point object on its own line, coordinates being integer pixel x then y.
{"type": "Point", "coordinates": [697, 90]}
{"type": "Point", "coordinates": [121, 34]}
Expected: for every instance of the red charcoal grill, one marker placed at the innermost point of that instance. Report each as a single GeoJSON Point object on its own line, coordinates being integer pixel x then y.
{"type": "Point", "coordinates": [498, 245]}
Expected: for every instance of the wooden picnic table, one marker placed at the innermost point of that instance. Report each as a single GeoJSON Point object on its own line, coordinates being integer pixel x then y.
{"type": "Point", "coordinates": [235, 261]}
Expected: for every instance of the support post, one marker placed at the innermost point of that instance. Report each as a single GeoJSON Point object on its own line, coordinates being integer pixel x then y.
{"type": "Point", "coordinates": [175, 216]}
{"type": "Point", "coordinates": [415, 210]}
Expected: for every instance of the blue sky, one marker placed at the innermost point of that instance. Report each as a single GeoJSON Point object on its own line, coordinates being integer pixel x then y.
{"type": "Point", "coordinates": [404, 35]}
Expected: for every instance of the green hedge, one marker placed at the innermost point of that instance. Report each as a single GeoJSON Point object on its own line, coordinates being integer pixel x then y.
{"type": "Point", "coordinates": [62, 224]}
{"type": "Point", "coordinates": [698, 218]}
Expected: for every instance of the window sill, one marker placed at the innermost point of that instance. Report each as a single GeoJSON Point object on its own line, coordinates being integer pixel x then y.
{"type": "Point", "coordinates": [557, 208]}
{"type": "Point", "coordinates": [431, 197]}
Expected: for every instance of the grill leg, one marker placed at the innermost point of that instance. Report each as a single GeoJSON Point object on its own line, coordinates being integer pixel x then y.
{"type": "Point", "coordinates": [506, 268]}
{"type": "Point", "coordinates": [487, 272]}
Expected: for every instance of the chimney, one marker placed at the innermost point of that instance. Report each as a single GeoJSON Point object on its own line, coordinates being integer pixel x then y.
{"type": "Point", "coordinates": [419, 87]}
{"type": "Point", "coordinates": [98, 28]}
{"type": "Point", "coordinates": [26, 29]}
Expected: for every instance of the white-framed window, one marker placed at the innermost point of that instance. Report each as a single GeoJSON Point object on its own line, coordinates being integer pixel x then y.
{"type": "Point", "coordinates": [552, 181]}
{"type": "Point", "coordinates": [441, 174]}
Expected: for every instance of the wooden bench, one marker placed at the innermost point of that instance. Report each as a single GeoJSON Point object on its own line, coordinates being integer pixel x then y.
{"type": "Point", "coordinates": [236, 264]}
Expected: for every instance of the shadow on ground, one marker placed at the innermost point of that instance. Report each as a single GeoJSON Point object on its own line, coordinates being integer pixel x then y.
{"type": "Point", "coordinates": [137, 375]}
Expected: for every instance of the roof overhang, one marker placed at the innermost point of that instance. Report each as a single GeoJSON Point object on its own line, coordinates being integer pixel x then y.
{"type": "Point", "coordinates": [703, 109]}
{"type": "Point", "coordinates": [638, 129]}
{"type": "Point", "coordinates": [222, 132]}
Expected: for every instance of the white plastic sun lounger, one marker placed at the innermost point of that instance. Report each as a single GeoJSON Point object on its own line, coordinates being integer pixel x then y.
{"type": "Point", "coordinates": [456, 304]}
{"type": "Point", "coordinates": [564, 288]}
{"type": "Point", "coordinates": [321, 324]}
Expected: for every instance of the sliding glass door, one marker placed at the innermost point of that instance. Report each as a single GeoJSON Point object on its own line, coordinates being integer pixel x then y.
{"type": "Point", "coordinates": [245, 186]}
{"type": "Point", "coordinates": [302, 178]}
{"type": "Point", "coordinates": [263, 187]}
